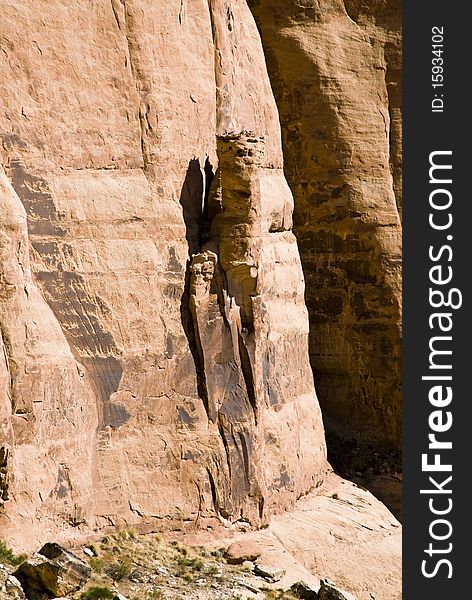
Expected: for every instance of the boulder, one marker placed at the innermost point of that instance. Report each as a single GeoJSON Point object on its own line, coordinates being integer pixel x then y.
{"type": "Point", "coordinates": [304, 590]}
{"type": "Point", "coordinates": [244, 550]}
{"type": "Point", "coordinates": [329, 591]}
{"type": "Point", "coordinates": [272, 574]}
{"type": "Point", "coordinates": [52, 571]}
{"type": "Point", "coordinates": [10, 587]}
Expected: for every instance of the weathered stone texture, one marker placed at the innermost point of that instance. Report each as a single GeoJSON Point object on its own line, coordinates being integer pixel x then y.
{"type": "Point", "coordinates": [335, 70]}
{"type": "Point", "coordinates": [52, 571]}
{"type": "Point", "coordinates": [155, 361]}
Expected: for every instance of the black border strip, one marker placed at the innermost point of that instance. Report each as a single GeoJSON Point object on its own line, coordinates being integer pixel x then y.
{"type": "Point", "coordinates": [425, 132]}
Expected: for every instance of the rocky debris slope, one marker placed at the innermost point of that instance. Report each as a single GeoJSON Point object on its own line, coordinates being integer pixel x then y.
{"type": "Point", "coordinates": [342, 534]}
{"type": "Point", "coordinates": [154, 363]}
{"type": "Point", "coordinates": [156, 570]}
{"type": "Point", "coordinates": [335, 68]}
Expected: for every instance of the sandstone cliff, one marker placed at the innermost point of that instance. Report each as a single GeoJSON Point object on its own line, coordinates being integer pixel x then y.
{"type": "Point", "coordinates": [335, 67]}
{"type": "Point", "coordinates": [155, 365]}
{"type": "Point", "coordinates": [154, 333]}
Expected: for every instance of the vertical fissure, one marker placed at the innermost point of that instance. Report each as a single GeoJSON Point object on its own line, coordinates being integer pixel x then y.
{"type": "Point", "coordinates": [246, 368]}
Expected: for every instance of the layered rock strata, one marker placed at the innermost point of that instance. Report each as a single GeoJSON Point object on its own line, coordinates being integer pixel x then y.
{"type": "Point", "coordinates": [155, 365]}
{"type": "Point", "coordinates": [335, 68]}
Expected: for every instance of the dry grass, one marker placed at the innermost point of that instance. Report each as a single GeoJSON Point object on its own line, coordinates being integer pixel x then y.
{"type": "Point", "coordinates": [150, 568]}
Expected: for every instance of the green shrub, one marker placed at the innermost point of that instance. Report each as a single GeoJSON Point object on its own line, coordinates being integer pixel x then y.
{"type": "Point", "coordinates": [96, 564]}
{"type": "Point", "coordinates": [8, 557]}
{"type": "Point", "coordinates": [212, 570]}
{"type": "Point", "coordinates": [196, 563]}
{"type": "Point", "coordinates": [119, 571]}
{"type": "Point", "coordinates": [187, 575]}
{"type": "Point", "coordinates": [126, 534]}
{"type": "Point", "coordinates": [97, 593]}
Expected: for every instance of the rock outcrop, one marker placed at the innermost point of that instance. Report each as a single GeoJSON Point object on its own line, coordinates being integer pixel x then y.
{"type": "Point", "coordinates": [339, 534]}
{"type": "Point", "coordinates": [52, 571]}
{"type": "Point", "coordinates": [154, 364]}
{"type": "Point", "coordinates": [335, 68]}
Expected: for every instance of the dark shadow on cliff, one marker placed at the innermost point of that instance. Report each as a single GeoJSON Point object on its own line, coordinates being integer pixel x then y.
{"type": "Point", "coordinates": [339, 272]}
{"type": "Point", "coordinates": [65, 291]}
{"type": "Point", "coordinates": [194, 202]}
{"type": "Point", "coordinates": [375, 468]}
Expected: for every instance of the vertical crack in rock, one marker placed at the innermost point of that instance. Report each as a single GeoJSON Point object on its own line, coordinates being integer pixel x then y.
{"type": "Point", "coordinates": [193, 338]}
{"type": "Point", "coordinates": [192, 200]}
{"type": "Point", "coordinates": [117, 8]}
{"type": "Point", "coordinates": [247, 374]}
{"type": "Point", "coordinates": [246, 453]}
{"type": "Point", "coordinates": [214, 493]}
{"type": "Point", "coordinates": [4, 474]}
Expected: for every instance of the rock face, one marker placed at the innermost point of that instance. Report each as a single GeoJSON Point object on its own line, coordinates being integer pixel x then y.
{"type": "Point", "coordinates": [335, 68]}
{"type": "Point", "coordinates": [154, 361]}
{"type": "Point", "coordinates": [341, 534]}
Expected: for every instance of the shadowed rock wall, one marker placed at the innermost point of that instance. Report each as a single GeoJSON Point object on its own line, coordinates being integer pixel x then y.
{"type": "Point", "coordinates": [335, 68]}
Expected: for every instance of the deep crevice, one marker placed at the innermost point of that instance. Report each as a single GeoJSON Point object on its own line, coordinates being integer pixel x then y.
{"type": "Point", "coordinates": [246, 368]}
{"type": "Point", "coordinates": [261, 508]}
{"type": "Point", "coordinates": [188, 324]}
{"type": "Point", "coordinates": [194, 201]}
{"type": "Point", "coordinates": [245, 453]}
{"type": "Point", "coordinates": [225, 443]}
{"type": "Point", "coordinates": [4, 479]}
{"type": "Point", "coordinates": [214, 496]}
